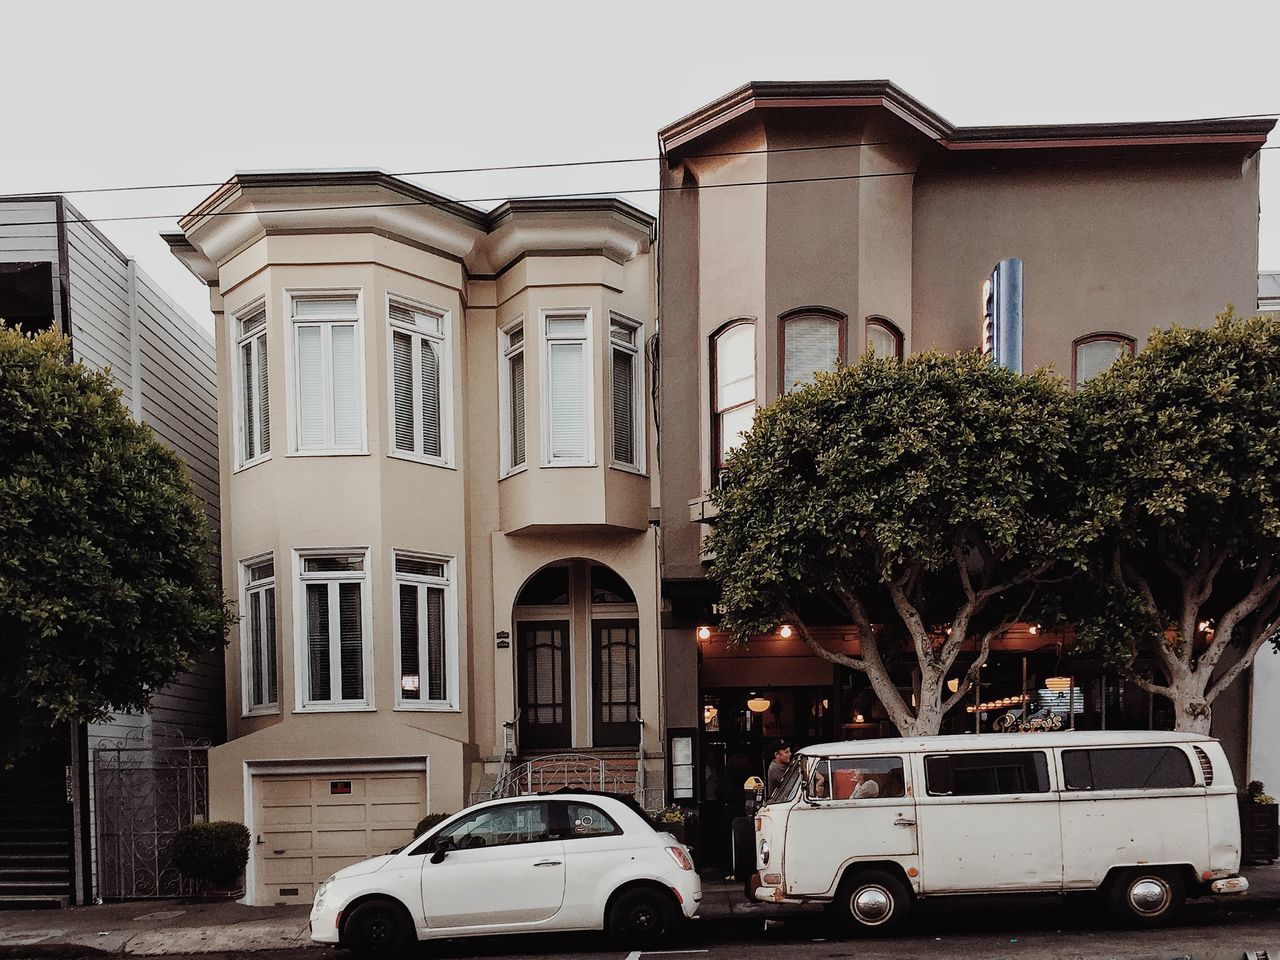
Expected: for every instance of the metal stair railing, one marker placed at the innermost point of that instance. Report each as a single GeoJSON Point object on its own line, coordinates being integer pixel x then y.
{"type": "Point", "coordinates": [558, 770]}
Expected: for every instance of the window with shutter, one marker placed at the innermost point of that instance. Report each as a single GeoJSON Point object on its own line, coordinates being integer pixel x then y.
{"type": "Point", "coordinates": [733, 358]}
{"type": "Point", "coordinates": [253, 419]}
{"type": "Point", "coordinates": [567, 433]}
{"type": "Point", "coordinates": [426, 651]}
{"type": "Point", "coordinates": [810, 344]}
{"type": "Point", "coordinates": [329, 396]}
{"type": "Point", "coordinates": [258, 636]}
{"type": "Point", "coordinates": [627, 399]}
{"type": "Point", "coordinates": [419, 374]}
{"type": "Point", "coordinates": [511, 396]}
{"type": "Point", "coordinates": [335, 589]}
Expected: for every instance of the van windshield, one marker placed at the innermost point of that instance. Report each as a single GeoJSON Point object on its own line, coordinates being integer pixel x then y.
{"type": "Point", "coordinates": [787, 786]}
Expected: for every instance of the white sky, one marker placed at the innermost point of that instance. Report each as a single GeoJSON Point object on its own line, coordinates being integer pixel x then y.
{"type": "Point", "coordinates": [113, 94]}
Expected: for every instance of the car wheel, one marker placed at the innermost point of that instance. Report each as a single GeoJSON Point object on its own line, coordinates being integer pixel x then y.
{"type": "Point", "coordinates": [1146, 897]}
{"type": "Point", "coordinates": [641, 917]}
{"type": "Point", "coordinates": [377, 930]}
{"type": "Point", "coordinates": [872, 902]}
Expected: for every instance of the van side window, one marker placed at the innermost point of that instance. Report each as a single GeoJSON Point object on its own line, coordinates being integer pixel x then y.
{"type": "Point", "coordinates": [983, 774]}
{"type": "Point", "coordinates": [1127, 768]}
{"type": "Point", "coordinates": [862, 778]}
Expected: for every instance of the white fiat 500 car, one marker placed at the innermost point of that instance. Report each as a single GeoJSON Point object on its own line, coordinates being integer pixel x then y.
{"type": "Point", "coordinates": [552, 862]}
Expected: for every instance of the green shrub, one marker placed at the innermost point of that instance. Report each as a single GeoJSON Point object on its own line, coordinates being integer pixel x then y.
{"type": "Point", "coordinates": [429, 821]}
{"type": "Point", "coordinates": [212, 854]}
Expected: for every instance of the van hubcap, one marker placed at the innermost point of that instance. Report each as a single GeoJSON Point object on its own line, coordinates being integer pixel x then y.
{"type": "Point", "coordinates": [1149, 895]}
{"type": "Point", "coordinates": [872, 904]}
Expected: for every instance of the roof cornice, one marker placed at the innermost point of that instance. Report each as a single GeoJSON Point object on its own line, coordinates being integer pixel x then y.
{"type": "Point", "coordinates": [763, 95]}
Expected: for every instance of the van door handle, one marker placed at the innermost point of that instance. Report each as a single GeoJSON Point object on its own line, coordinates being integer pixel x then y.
{"type": "Point", "coordinates": [902, 821]}
{"type": "Point", "coordinates": [548, 863]}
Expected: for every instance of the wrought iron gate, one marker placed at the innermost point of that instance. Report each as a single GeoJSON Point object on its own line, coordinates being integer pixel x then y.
{"type": "Point", "coordinates": [143, 796]}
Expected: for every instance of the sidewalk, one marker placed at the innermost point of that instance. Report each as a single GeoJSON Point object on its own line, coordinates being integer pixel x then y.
{"type": "Point", "coordinates": [157, 927]}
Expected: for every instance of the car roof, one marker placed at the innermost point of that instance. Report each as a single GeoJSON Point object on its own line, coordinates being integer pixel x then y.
{"type": "Point", "coordinates": [1004, 741]}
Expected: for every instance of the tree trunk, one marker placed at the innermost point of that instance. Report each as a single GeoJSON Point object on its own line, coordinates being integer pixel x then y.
{"type": "Point", "coordinates": [1192, 712]}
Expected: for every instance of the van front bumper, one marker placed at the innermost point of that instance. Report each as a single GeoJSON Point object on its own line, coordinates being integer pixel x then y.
{"type": "Point", "coordinates": [1229, 885]}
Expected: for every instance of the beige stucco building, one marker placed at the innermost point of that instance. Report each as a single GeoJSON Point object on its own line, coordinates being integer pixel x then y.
{"type": "Point", "coordinates": [436, 501]}
{"type": "Point", "coordinates": [804, 222]}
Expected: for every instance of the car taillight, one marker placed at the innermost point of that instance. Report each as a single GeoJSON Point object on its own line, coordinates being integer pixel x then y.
{"type": "Point", "coordinates": [680, 857]}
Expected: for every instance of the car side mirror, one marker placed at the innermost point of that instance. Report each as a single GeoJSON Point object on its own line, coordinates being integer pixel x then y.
{"type": "Point", "coordinates": [442, 845]}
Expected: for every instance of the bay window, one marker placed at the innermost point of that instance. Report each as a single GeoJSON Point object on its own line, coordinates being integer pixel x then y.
{"type": "Point", "coordinates": [425, 650]}
{"type": "Point", "coordinates": [253, 413]}
{"type": "Point", "coordinates": [335, 634]}
{"type": "Point", "coordinates": [566, 381]}
{"type": "Point", "coordinates": [258, 636]}
{"type": "Point", "coordinates": [329, 395]}
{"type": "Point", "coordinates": [811, 343]}
{"type": "Point", "coordinates": [733, 375]}
{"type": "Point", "coordinates": [419, 382]}
{"type": "Point", "coordinates": [511, 401]}
{"type": "Point", "coordinates": [883, 338]}
{"type": "Point", "coordinates": [626, 389]}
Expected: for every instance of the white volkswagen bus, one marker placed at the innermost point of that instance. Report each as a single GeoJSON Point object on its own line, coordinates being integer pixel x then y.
{"type": "Point", "coordinates": [1146, 818]}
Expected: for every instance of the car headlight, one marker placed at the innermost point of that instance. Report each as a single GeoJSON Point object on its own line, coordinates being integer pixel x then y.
{"type": "Point", "coordinates": [324, 888]}
{"type": "Point", "coordinates": [764, 853]}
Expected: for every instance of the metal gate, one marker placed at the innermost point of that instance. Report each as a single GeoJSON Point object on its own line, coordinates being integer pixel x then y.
{"type": "Point", "coordinates": [143, 796]}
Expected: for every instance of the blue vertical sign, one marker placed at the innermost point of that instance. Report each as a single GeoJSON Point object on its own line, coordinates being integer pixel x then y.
{"type": "Point", "coordinates": [1002, 315]}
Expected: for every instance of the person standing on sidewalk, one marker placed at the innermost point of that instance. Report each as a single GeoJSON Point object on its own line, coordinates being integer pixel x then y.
{"type": "Point", "coordinates": [778, 768]}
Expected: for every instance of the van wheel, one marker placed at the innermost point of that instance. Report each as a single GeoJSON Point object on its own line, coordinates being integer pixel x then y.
{"type": "Point", "coordinates": [377, 930]}
{"type": "Point", "coordinates": [1145, 897]}
{"type": "Point", "coordinates": [641, 917]}
{"type": "Point", "coordinates": [871, 902]}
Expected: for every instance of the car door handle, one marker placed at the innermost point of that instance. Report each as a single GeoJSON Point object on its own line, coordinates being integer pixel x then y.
{"type": "Point", "coordinates": [548, 863]}
{"type": "Point", "coordinates": [902, 821]}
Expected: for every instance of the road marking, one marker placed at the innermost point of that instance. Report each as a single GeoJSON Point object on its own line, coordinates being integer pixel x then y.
{"type": "Point", "coordinates": [633, 955]}
{"type": "Point", "coordinates": [669, 953]}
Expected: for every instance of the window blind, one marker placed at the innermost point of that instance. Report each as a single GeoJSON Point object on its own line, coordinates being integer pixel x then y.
{"type": "Point", "coordinates": [273, 683]}
{"type": "Point", "coordinates": [264, 397]}
{"type": "Point", "coordinates": [250, 424]}
{"type": "Point", "coordinates": [311, 412]}
{"type": "Point", "coordinates": [568, 401]}
{"type": "Point", "coordinates": [345, 383]}
{"type": "Point", "coordinates": [812, 344]}
{"type": "Point", "coordinates": [256, 692]}
{"type": "Point", "coordinates": [402, 383]}
{"type": "Point", "coordinates": [516, 370]}
{"type": "Point", "coordinates": [437, 687]}
{"type": "Point", "coordinates": [318, 640]}
{"type": "Point", "coordinates": [430, 399]}
{"type": "Point", "coordinates": [624, 407]}
{"type": "Point", "coordinates": [351, 641]}
{"type": "Point", "coordinates": [410, 689]}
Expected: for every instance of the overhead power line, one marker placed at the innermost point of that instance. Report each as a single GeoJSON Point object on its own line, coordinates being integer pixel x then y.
{"type": "Point", "coordinates": [612, 161]}
{"type": "Point", "coordinates": [445, 202]}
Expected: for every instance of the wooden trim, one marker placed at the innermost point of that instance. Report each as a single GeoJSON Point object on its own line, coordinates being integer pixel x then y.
{"type": "Point", "coordinates": [827, 313]}
{"type": "Point", "coordinates": [1113, 336]}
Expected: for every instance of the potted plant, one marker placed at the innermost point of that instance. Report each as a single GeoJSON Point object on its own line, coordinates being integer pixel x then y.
{"type": "Point", "coordinates": [1259, 825]}
{"type": "Point", "coordinates": [212, 856]}
{"type": "Point", "coordinates": [678, 821]}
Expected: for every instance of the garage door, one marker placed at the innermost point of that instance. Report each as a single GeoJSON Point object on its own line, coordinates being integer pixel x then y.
{"type": "Point", "coordinates": [310, 825]}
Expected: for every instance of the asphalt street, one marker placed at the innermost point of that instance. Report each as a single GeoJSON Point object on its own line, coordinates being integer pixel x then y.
{"type": "Point", "coordinates": [1027, 931]}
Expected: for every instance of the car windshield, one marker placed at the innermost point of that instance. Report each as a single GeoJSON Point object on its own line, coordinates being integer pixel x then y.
{"type": "Point", "coordinates": [787, 787]}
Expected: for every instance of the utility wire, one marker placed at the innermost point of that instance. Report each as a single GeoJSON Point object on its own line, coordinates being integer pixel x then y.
{"type": "Point", "coordinates": [445, 202]}
{"type": "Point", "coordinates": [561, 164]}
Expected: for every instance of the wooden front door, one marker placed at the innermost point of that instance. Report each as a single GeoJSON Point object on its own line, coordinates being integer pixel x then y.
{"type": "Point", "coordinates": [543, 667]}
{"type": "Point", "coordinates": [615, 669]}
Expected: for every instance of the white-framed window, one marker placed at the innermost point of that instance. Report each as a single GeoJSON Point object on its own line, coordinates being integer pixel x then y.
{"type": "Point", "coordinates": [328, 395]}
{"type": "Point", "coordinates": [512, 395]}
{"type": "Point", "coordinates": [426, 644]}
{"type": "Point", "coordinates": [420, 380]}
{"type": "Point", "coordinates": [567, 437]}
{"type": "Point", "coordinates": [252, 400]}
{"type": "Point", "coordinates": [258, 635]}
{"type": "Point", "coordinates": [334, 630]}
{"type": "Point", "coordinates": [733, 387]}
{"type": "Point", "coordinates": [626, 378]}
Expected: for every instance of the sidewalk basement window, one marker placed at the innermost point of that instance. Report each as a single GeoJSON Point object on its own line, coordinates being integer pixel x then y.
{"type": "Point", "coordinates": [330, 388]}
{"type": "Point", "coordinates": [986, 774]}
{"type": "Point", "coordinates": [511, 387]}
{"type": "Point", "coordinates": [419, 374]}
{"type": "Point", "coordinates": [567, 383]}
{"type": "Point", "coordinates": [258, 636]}
{"type": "Point", "coordinates": [1127, 768]}
{"type": "Point", "coordinates": [335, 592]}
{"type": "Point", "coordinates": [624, 340]}
{"type": "Point", "coordinates": [253, 402]}
{"type": "Point", "coordinates": [424, 649]}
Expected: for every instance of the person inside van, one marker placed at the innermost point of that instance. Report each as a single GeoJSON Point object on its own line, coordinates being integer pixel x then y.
{"type": "Point", "coordinates": [863, 786]}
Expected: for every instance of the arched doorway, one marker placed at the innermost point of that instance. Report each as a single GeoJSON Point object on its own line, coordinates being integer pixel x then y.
{"type": "Point", "coordinates": [562, 607]}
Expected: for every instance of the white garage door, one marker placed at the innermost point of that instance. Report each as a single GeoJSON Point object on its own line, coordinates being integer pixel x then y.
{"type": "Point", "coordinates": [309, 825]}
